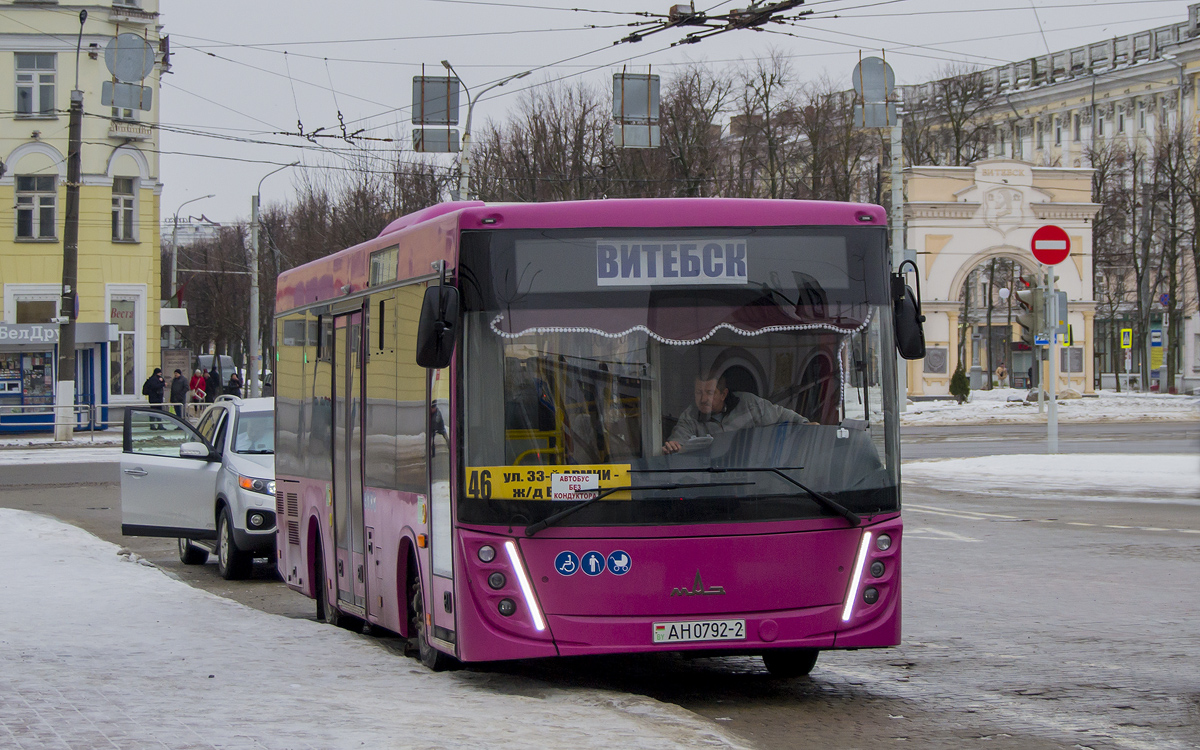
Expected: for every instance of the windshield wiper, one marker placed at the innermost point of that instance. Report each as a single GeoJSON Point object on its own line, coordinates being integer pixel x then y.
{"type": "Point", "coordinates": [534, 528]}
{"type": "Point", "coordinates": [823, 500]}
{"type": "Point", "coordinates": [254, 453]}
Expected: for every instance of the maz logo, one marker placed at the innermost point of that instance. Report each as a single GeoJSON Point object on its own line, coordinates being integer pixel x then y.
{"type": "Point", "coordinates": [698, 589]}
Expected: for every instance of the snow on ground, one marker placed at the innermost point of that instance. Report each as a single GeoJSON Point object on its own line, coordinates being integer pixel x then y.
{"type": "Point", "coordinates": [81, 440]}
{"type": "Point", "coordinates": [95, 651]}
{"type": "Point", "coordinates": [82, 455]}
{"type": "Point", "coordinates": [993, 407]}
{"type": "Point", "coordinates": [1116, 477]}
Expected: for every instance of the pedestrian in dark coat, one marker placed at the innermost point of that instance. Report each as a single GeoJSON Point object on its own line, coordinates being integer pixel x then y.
{"type": "Point", "coordinates": [153, 390]}
{"type": "Point", "coordinates": [214, 386]}
{"type": "Point", "coordinates": [179, 391]}
{"type": "Point", "coordinates": [235, 385]}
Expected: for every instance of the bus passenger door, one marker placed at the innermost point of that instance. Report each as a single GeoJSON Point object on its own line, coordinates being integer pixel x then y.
{"type": "Point", "coordinates": [441, 526]}
{"type": "Point", "coordinates": [350, 573]}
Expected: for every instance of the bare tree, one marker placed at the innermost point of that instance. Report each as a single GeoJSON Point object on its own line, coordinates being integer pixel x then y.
{"type": "Point", "coordinates": [948, 121]}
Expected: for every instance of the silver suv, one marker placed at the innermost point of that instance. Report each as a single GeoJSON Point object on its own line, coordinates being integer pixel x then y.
{"type": "Point", "coordinates": [211, 486]}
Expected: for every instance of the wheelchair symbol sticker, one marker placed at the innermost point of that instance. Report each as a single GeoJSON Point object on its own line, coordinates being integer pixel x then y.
{"type": "Point", "coordinates": [619, 562]}
{"type": "Point", "coordinates": [593, 563]}
{"type": "Point", "coordinates": [566, 563]}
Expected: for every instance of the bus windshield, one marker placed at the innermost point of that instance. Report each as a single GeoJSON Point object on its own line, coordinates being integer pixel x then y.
{"type": "Point", "coordinates": [680, 363]}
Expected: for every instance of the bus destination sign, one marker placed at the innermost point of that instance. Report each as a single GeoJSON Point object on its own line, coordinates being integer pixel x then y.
{"type": "Point", "coordinates": [659, 262]}
{"type": "Point", "coordinates": [576, 482]}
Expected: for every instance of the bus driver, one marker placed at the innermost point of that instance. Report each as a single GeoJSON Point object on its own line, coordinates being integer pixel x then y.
{"type": "Point", "coordinates": [717, 410]}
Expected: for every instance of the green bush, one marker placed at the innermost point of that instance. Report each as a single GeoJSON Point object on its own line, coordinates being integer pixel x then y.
{"type": "Point", "coordinates": [960, 387]}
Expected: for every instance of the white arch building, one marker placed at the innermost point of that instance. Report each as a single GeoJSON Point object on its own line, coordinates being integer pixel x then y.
{"type": "Point", "coordinates": [960, 217]}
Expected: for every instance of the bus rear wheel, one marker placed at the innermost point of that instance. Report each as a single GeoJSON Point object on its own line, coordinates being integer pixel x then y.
{"type": "Point", "coordinates": [786, 663]}
{"type": "Point", "coordinates": [326, 611]}
{"type": "Point", "coordinates": [430, 656]}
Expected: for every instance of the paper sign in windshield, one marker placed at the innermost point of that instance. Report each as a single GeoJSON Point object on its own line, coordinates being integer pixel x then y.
{"type": "Point", "coordinates": [667, 263]}
{"type": "Point", "coordinates": [573, 486]}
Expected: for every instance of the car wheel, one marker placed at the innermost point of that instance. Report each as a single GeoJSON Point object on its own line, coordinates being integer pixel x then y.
{"type": "Point", "coordinates": [190, 554]}
{"type": "Point", "coordinates": [430, 656]}
{"type": "Point", "coordinates": [790, 662]}
{"type": "Point", "coordinates": [232, 563]}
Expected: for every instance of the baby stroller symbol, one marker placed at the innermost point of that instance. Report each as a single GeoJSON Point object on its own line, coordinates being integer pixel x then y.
{"type": "Point", "coordinates": [619, 562]}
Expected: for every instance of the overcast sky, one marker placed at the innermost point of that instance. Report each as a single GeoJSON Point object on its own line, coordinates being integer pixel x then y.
{"type": "Point", "coordinates": [246, 71]}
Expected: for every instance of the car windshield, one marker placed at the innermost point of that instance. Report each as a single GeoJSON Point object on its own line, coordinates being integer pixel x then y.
{"type": "Point", "coordinates": [569, 388]}
{"type": "Point", "coordinates": [255, 433]}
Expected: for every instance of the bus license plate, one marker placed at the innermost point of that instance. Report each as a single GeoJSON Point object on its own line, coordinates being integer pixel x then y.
{"type": "Point", "coordinates": [699, 630]}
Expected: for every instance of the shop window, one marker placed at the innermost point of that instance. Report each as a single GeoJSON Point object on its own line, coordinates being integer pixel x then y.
{"type": "Point", "coordinates": [36, 311]}
{"type": "Point", "coordinates": [35, 84]}
{"type": "Point", "coordinates": [36, 203]}
{"type": "Point", "coordinates": [122, 354]}
{"type": "Point", "coordinates": [123, 198]}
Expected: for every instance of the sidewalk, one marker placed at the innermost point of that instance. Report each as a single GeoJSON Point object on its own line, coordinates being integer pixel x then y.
{"type": "Point", "coordinates": [994, 407]}
{"type": "Point", "coordinates": [99, 651]}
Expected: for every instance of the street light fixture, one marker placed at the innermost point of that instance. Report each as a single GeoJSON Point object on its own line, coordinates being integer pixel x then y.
{"type": "Point", "coordinates": [175, 260]}
{"type": "Point", "coordinates": [255, 334]}
{"type": "Point", "coordinates": [464, 185]}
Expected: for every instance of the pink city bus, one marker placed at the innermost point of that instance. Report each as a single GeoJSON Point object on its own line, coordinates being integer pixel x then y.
{"type": "Point", "coordinates": [526, 430]}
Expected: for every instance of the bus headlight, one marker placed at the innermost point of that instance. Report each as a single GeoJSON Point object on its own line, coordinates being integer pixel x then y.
{"type": "Point", "coordinates": [884, 542]}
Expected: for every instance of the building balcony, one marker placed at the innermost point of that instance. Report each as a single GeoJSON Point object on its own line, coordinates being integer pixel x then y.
{"type": "Point", "coordinates": [127, 12]}
{"type": "Point", "coordinates": [130, 131]}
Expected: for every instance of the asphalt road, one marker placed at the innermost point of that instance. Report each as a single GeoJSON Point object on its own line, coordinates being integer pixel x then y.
{"type": "Point", "coordinates": [1048, 623]}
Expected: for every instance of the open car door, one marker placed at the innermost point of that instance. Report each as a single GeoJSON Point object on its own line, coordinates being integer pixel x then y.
{"type": "Point", "coordinates": [168, 477]}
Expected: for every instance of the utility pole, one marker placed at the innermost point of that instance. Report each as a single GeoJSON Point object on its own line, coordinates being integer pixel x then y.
{"type": "Point", "coordinates": [898, 244]}
{"type": "Point", "coordinates": [175, 262]}
{"type": "Point", "coordinates": [64, 393]}
{"type": "Point", "coordinates": [255, 333]}
{"type": "Point", "coordinates": [464, 182]}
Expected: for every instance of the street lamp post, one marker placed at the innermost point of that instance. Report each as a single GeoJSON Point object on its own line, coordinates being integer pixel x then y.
{"type": "Point", "coordinates": [464, 183]}
{"type": "Point", "coordinates": [175, 260]}
{"type": "Point", "coordinates": [255, 334]}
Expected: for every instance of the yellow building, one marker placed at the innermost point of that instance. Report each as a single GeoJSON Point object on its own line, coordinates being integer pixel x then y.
{"type": "Point", "coordinates": [118, 268]}
{"type": "Point", "coordinates": [1055, 111]}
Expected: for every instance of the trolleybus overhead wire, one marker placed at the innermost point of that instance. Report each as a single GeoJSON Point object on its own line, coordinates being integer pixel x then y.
{"type": "Point", "coordinates": [753, 16]}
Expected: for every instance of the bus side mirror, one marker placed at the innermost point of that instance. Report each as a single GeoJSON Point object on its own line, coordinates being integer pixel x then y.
{"type": "Point", "coordinates": [908, 320]}
{"type": "Point", "coordinates": [438, 328]}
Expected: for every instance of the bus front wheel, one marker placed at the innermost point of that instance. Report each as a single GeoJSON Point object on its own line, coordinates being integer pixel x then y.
{"type": "Point", "coordinates": [430, 656]}
{"type": "Point", "coordinates": [790, 662]}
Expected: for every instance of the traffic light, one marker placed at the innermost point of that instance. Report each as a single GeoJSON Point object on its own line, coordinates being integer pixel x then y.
{"type": "Point", "coordinates": [1032, 317]}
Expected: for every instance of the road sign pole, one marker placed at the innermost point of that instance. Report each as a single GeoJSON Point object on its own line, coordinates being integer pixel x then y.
{"type": "Point", "coordinates": [898, 244]}
{"type": "Point", "coordinates": [1052, 393]}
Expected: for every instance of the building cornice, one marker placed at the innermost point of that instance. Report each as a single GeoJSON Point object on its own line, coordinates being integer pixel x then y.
{"type": "Point", "coordinates": [941, 210]}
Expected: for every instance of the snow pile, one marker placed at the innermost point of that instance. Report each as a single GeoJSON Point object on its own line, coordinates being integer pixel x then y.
{"type": "Point", "coordinates": [995, 407]}
{"type": "Point", "coordinates": [1118, 477]}
{"type": "Point", "coordinates": [97, 652]}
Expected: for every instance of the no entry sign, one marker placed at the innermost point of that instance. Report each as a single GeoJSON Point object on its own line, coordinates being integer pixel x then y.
{"type": "Point", "coordinates": [1050, 245]}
